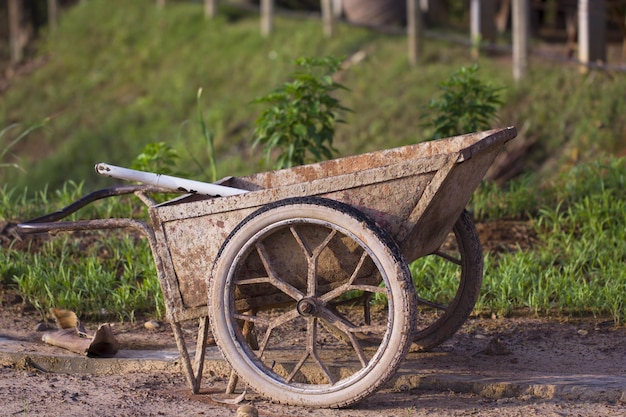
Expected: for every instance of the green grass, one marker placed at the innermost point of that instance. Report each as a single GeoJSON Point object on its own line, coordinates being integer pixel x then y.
{"type": "Point", "coordinates": [107, 89]}
{"type": "Point", "coordinates": [113, 278]}
{"type": "Point", "coordinates": [578, 266]}
{"type": "Point", "coordinates": [99, 275]}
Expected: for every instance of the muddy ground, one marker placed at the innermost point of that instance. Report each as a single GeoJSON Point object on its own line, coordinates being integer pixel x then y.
{"type": "Point", "coordinates": [544, 367]}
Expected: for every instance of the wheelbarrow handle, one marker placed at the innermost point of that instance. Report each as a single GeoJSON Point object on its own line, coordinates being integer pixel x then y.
{"type": "Point", "coordinates": [166, 181]}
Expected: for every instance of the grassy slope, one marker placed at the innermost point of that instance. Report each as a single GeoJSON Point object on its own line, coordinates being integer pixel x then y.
{"type": "Point", "coordinates": [130, 76]}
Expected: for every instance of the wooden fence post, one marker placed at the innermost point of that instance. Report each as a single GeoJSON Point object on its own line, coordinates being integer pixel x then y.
{"type": "Point", "coordinates": [328, 17]}
{"type": "Point", "coordinates": [15, 20]}
{"type": "Point", "coordinates": [267, 14]}
{"type": "Point", "coordinates": [591, 32]}
{"type": "Point", "coordinates": [53, 15]}
{"type": "Point", "coordinates": [210, 8]}
{"type": "Point", "coordinates": [482, 24]}
{"type": "Point", "coordinates": [520, 38]}
{"type": "Point", "coordinates": [337, 8]}
{"type": "Point", "coordinates": [415, 29]}
{"type": "Point", "coordinates": [475, 27]}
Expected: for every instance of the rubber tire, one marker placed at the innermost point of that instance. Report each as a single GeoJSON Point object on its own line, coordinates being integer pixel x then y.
{"type": "Point", "coordinates": [467, 293]}
{"type": "Point", "coordinates": [402, 303]}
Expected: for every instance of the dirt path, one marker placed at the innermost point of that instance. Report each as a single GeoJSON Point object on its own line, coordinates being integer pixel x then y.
{"type": "Point", "coordinates": [32, 393]}
{"type": "Point", "coordinates": [511, 367]}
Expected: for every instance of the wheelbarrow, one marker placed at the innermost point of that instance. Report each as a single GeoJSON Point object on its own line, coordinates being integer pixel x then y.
{"type": "Point", "coordinates": [302, 274]}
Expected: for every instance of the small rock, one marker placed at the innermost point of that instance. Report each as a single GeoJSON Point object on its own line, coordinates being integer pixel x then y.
{"type": "Point", "coordinates": [583, 332]}
{"type": "Point", "coordinates": [247, 410]}
{"type": "Point", "coordinates": [152, 324]}
{"type": "Point", "coordinates": [496, 347]}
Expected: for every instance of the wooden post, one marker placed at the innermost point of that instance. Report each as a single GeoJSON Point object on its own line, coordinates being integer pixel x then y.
{"type": "Point", "coordinates": [267, 12]}
{"type": "Point", "coordinates": [488, 12]}
{"type": "Point", "coordinates": [475, 27]}
{"type": "Point", "coordinates": [591, 32]}
{"type": "Point", "coordinates": [482, 24]}
{"type": "Point", "coordinates": [210, 8]}
{"type": "Point", "coordinates": [328, 17]}
{"type": "Point", "coordinates": [15, 20]}
{"type": "Point", "coordinates": [415, 29]}
{"type": "Point", "coordinates": [337, 8]}
{"type": "Point", "coordinates": [53, 15]}
{"type": "Point", "coordinates": [520, 38]}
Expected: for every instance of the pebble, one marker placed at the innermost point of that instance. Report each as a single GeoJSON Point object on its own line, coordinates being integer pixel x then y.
{"type": "Point", "coordinates": [247, 410]}
{"type": "Point", "coordinates": [152, 324]}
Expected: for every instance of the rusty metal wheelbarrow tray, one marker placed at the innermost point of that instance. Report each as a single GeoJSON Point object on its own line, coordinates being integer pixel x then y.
{"type": "Point", "coordinates": [415, 192]}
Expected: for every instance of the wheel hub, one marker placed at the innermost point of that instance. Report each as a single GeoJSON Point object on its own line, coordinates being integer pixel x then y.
{"type": "Point", "coordinates": [307, 307]}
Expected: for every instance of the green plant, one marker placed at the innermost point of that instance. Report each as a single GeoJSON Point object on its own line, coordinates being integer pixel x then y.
{"type": "Point", "coordinates": [161, 158]}
{"type": "Point", "coordinates": [466, 104]}
{"type": "Point", "coordinates": [209, 138]}
{"type": "Point", "coordinates": [157, 157]}
{"type": "Point", "coordinates": [301, 117]}
{"type": "Point", "coordinates": [6, 148]}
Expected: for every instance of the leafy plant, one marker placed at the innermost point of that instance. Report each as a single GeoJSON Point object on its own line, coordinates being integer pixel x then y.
{"type": "Point", "coordinates": [300, 120]}
{"type": "Point", "coordinates": [157, 157]}
{"type": "Point", "coordinates": [466, 105]}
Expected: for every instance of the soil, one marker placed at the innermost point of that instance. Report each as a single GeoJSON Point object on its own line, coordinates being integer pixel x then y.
{"type": "Point", "coordinates": [525, 349]}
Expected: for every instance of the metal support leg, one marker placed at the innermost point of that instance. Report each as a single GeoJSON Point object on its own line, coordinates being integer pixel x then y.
{"type": "Point", "coordinates": [193, 372]}
{"type": "Point", "coordinates": [251, 339]}
{"type": "Point", "coordinates": [184, 355]}
{"type": "Point", "coordinates": [203, 331]}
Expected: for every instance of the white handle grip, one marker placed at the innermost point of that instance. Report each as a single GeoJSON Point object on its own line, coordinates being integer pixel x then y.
{"type": "Point", "coordinates": [166, 181]}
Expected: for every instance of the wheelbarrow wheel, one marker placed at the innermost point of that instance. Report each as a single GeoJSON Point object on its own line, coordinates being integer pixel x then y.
{"type": "Point", "coordinates": [286, 300]}
{"type": "Point", "coordinates": [462, 258]}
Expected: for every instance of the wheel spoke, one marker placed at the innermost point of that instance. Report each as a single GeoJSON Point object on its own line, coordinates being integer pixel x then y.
{"type": "Point", "coordinates": [348, 329]}
{"type": "Point", "coordinates": [347, 286]}
{"type": "Point", "coordinates": [311, 351]}
{"type": "Point", "coordinates": [284, 318]}
{"type": "Point", "coordinates": [429, 303]}
{"type": "Point", "coordinates": [252, 319]}
{"type": "Point", "coordinates": [273, 277]}
{"type": "Point", "coordinates": [447, 257]}
{"type": "Point", "coordinates": [312, 257]}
